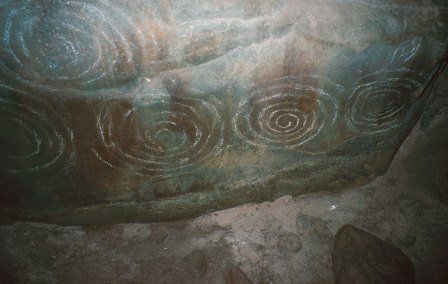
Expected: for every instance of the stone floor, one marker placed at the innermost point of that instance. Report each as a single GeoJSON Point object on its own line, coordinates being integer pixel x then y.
{"type": "Point", "coordinates": [267, 243]}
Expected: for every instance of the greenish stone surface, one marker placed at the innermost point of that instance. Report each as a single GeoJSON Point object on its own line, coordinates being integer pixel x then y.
{"type": "Point", "coordinates": [126, 111]}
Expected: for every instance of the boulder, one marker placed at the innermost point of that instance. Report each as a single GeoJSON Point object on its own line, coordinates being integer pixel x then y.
{"type": "Point", "coordinates": [235, 275]}
{"type": "Point", "coordinates": [148, 110]}
{"type": "Point", "coordinates": [195, 264]}
{"type": "Point", "coordinates": [360, 257]}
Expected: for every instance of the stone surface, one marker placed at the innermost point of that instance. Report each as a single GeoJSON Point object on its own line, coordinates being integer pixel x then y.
{"type": "Point", "coordinates": [235, 275]}
{"type": "Point", "coordinates": [136, 232]}
{"type": "Point", "coordinates": [360, 257]}
{"type": "Point", "coordinates": [147, 110]}
{"type": "Point", "coordinates": [395, 207]}
{"type": "Point", "coordinates": [5, 275]}
{"type": "Point", "coordinates": [195, 264]}
{"type": "Point", "coordinates": [314, 228]}
{"type": "Point", "coordinates": [158, 236]}
{"type": "Point", "coordinates": [289, 242]}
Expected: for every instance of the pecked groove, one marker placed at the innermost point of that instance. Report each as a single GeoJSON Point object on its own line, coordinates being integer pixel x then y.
{"type": "Point", "coordinates": [70, 45]}
{"type": "Point", "coordinates": [160, 135]}
{"type": "Point", "coordinates": [34, 139]}
{"type": "Point", "coordinates": [286, 115]}
{"type": "Point", "coordinates": [380, 101]}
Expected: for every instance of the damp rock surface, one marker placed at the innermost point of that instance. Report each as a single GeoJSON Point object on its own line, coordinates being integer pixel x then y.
{"type": "Point", "coordinates": [147, 110]}
{"type": "Point", "coordinates": [360, 257]}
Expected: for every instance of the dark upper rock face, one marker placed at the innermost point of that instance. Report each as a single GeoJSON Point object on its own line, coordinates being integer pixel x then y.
{"type": "Point", "coordinates": [359, 257]}
{"type": "Point", "coordinates": [143, 110]}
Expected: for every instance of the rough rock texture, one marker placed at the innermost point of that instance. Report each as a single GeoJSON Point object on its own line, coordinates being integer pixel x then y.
{"type": "Point", "coordinates": [313, 227]}
{"type": "Point", "coordinates": [235, 275]}
{"type": "Point", "coordinates": [195, 264]}
{"type": "Point", "coordinates": [406, 207]}
{"type": "Point", "coordinates": [289, 242]}
{"type": "Point", "coordinates": [360, 257]}
{"type": "Point", "coordinates": [117, 111]}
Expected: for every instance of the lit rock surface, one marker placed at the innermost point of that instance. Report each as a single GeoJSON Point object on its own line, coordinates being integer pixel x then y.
{"type": "Point", "coordinates": [116, 111]}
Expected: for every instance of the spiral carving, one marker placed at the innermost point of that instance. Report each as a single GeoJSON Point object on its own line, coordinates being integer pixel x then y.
{"type": "Point", "coordinates": [69, 44]}
{"type": "Point", "coordinates": [407, 51]}
{"type": "Point", "coordinates": [34, 139]}
{"type": "Point", "coordinates": [285, 115]}
{"type": "Point", "coordinates": [161, 135]}
{"type": "Point", "coordinates": [380, 100]}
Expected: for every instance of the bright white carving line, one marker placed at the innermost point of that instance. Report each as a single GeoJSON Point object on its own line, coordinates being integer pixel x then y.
{"type": "Point", "coordinates": [285, 115]}
{"type": "Point", "coordinates": [70, 44]}
{"type": "Point", "coordinates": [380, 100]}
{"type": "Point", "coordinates": [406, 51]}
{"type": "Point", "coordinates": [44, 136]}
{"type": "Point", "coordinates": [161, 135]}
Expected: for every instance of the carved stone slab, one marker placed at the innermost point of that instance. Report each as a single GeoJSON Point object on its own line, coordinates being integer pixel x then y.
{"type": "Point", "coordinates": [122, 111]}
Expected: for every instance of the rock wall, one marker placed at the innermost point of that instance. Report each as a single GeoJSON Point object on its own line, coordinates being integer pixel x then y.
{"type": "Point", "coordinates": [125, 111]}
